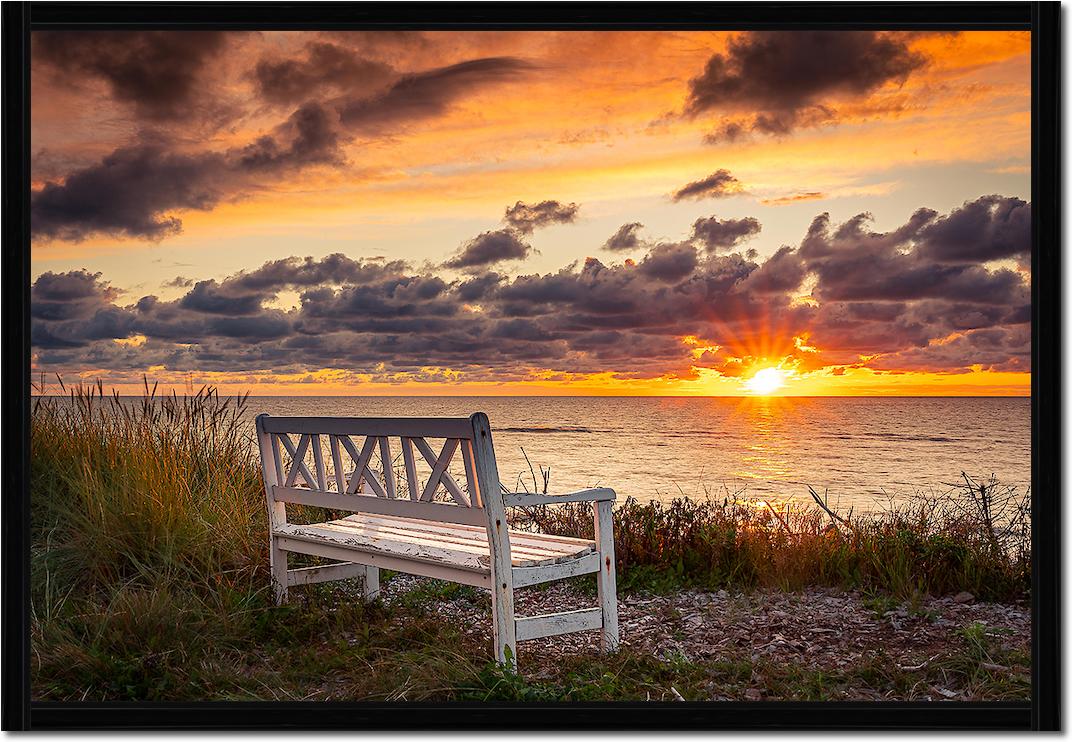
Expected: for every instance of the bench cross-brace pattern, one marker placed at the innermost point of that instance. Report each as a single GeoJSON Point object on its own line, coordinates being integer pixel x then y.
{"type": "Point", "coordinates": [401, 525]}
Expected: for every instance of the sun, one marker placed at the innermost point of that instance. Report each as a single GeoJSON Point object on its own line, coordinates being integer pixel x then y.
{"type": "Point", "coordinates": [766, 381]}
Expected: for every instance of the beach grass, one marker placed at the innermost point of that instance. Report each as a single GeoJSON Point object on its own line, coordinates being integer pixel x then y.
{"type": "Point", "coordinates": [150, 577]}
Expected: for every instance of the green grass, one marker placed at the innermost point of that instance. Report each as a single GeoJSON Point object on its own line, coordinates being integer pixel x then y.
{"type": "Point", "coordinates": [150, 581]}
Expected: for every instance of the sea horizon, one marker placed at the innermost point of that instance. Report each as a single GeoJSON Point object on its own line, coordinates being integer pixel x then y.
{"type": "Point", "coordinates": [594, 396]}
{"type": "Point", "coordinates": [866, 451]}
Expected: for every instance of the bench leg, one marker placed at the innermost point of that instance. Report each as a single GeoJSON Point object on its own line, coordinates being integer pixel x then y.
{"type": "Point", "coordinates": [278, 560]}
{"type": "Point", "coordinates": [503, 626]}
{"type": "Point", "coordinates": [606, 582]}
{"type": "Point", "coordinates": [371, 589]}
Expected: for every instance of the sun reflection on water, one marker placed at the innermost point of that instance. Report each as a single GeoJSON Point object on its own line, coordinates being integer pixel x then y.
{"type": "Point", "coordinates": [769, 445]}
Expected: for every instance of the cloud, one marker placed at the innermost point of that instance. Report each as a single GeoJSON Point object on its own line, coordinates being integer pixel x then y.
{"type": "Point", "coordinates": [989, 228]}
{"type": "Point", "coordinates": [669, 262]}
{"type": "Point", "coordinates": [794, 198]}
{"type": "Point", "coordinates": [334, 269]}
{"type": "Point", "coordinates": [206, 297]}
{"type": "Point", "coordinates": [325, 66]}
{"type": "Point", "coordinates": [155, 72]}
{"type": "Point", "coordinates": [479, 287]}
{"type": "Point", "coordinates": [310, 136]}
{"type": "Point", "coordinates": [727, 132]}
{"type": "Point", "coordinates": [781, 273]}
{"type": "Point", "coordinates": [892, 300]}
{"type": "Point", "coordinates": [128, 194]}
{"type": "Point", "coordinates": [995, 349]}
{"type": "Point", "coordinates": [489, 248]}
{"type": "Point", "coordinates": [60, 296]}
{"type": "Point", "coordinates": [131, 192]}
{"type": "Point", "coordinates": [715, 234]}
{"type": "Point", "coordinates": [783, 80]}
{"type": "Point", "coordinates": [853, 263]}
{"type": "Point", "coordinates": [718, 184]}
{"type": "Point", "coordinates": [526, 218]}
{"type": "Point", "coordinates": [134, 191]}
{"type": "Point", "coordinates": [427, 94]}
{"type": "Point", "coordinates": [625, 238]}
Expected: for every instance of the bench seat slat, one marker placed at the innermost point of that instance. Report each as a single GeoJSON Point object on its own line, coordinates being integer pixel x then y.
{"type": "Point", "coordinates": [557, 545]}
{"type": "Point", "coordinates": [419, 538]}
{"type": "Point", "coordinates": [402, 549]}
{"type": "Point", "coordinates": [467, 539]}
{"type": "Point", "coordinates": [515, 536]}
{"type": "Point", "coordinates": [465, 548]}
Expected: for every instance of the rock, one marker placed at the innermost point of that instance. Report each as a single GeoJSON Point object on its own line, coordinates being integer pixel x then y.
{"type": "Point", "coordinates": [963, 597]}
{"type": "Point", "coordinates": [753, 694]}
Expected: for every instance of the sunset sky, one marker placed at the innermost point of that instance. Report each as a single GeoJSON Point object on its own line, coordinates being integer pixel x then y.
{"type": "Point", "coordinates": [533, 212]}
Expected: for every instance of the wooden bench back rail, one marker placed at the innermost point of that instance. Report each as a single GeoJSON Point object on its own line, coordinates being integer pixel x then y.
{"type": "Point", "coordinates": [343, 449]}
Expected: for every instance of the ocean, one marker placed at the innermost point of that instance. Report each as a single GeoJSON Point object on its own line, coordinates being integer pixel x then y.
{"type": "Point", "coordinates": [864, 451]}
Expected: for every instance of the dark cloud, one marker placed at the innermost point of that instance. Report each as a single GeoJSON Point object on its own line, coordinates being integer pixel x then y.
{"type": "Point", "coordinates": [727, 132]}
{"type": "Point", "coordinates": [853, 263]}
{"type": "Point", "coordinates": [324, 66]}
{"type": "Point", "coordinates": [479, 287]}
{"type": "Point", "coordinates": [265, 326]}
{"type": "Point", "coordinates": [310, 136]}
{"type": "Point", "coordinates": [178, 282]}
{"type": "Point", "coordinates": [781, 273]}
{"type": "Point", "coordinates": [715, 234]}
{"type": "Point", "coordinates": [156, 72]}
{"type": "Point", "coordinates": [789, 79]}
{"type": "Point", "coordinates": [427, 94]}
{"type": "Point", "coordinates": [128, 194]}
{"type": "Point", "coordinates": [206, 297]}
{"type": "Point", "coordinates": [526, 218]}
{"type": "Point", "coordinates": [989, 228]}
{"type": "Point", "coordinates": [625, 238]}
{"type": "Point", "coordinates": [334, 269]}
{"type": "Point", "coordinates": [105, 323]}
{"type": "Point", "coordinates": [489, 248]}
{"type": "Point", "coordinates": [134, 191]}
{"type": "Point", "coordinates": [891, 301]}
{"type": "Point", "coordinates": [718, 184]}
{"type": "Point", "coordinates": [59, 296]}
{"type": "Point", "coordinates": [670, 262]}
{"type": "Point", "coordinates": [995, 349]}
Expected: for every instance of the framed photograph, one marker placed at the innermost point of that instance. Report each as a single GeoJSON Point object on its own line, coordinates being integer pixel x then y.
{"type": "Point", "coordinates": [531, 365]}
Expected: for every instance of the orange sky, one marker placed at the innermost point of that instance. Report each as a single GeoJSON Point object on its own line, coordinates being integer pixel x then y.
{"type": "Point", "coordinates": [156, 214]}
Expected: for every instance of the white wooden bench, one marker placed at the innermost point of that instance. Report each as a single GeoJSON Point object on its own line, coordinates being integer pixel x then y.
{"type": "Point", "coordinates": [429, 525]}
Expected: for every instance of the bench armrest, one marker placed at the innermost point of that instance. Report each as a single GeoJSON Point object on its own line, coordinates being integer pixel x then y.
{"type": "Point", "coordinates": [524, 499]}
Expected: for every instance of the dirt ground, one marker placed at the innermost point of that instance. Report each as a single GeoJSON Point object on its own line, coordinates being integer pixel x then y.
{"type": "Point", "coordinates": [820, 629]}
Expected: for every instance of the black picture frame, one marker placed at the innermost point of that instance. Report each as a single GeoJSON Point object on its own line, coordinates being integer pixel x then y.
{"type": "Point", "coordinates": [1042, 19]}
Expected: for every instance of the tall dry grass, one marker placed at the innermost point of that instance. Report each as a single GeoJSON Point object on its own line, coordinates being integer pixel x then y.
{"type": "Point", "coordinates": [974, 536]}
{"type": "Point", "coordinates": [157, 488]}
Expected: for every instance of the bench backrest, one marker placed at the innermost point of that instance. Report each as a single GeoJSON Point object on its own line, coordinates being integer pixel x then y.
{"type": "Point", "coordinates": [332, 462]}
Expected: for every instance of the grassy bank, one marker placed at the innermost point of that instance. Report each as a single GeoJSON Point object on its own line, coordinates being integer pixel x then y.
{"type": "Point", "coordinates": [150, 581]}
